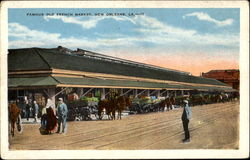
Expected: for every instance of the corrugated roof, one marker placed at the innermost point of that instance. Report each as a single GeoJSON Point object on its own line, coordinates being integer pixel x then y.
{"type": "Point", "coordinates": [117, 83]}
{"type": "Point", "coordinates": [26, 59]}
{"type": "Point", "coordinates": [41, 59]}
{"type": "Point", "coordinates": [78, 82]}
{"type": "Point", "coordinates": [32, 82]}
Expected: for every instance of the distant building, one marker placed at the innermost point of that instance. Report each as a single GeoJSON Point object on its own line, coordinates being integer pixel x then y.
{"type": "Point", "coordinates": [230, 76]}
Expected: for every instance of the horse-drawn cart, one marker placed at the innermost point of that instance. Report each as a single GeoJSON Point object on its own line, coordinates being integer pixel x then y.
{"type": "Point", "coordinates": [82, 110]}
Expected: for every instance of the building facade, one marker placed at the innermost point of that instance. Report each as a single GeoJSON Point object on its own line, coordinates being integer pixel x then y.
{"type": "Point", "coordinates": [230, 77]}
{"type": "Point", "coordinates": [42, 73]}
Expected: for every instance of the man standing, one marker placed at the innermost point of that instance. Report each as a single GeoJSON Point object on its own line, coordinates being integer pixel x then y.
{"type": "Point", "coordinates": [27, 107]}
{"type": "Point", "coordinates": [36, 108]}
{"type": "Point", "coordinates": [62, 112]}
{"type": "Point", "coordinates": [186, 116]}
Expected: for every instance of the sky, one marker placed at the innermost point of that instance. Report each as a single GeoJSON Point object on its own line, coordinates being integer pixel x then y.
{"type": "Point", "coordinates": [194, 40]}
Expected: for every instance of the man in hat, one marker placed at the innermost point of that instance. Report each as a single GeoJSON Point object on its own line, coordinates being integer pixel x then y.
{"type": "Point", "coordinates": [62, 112]}
{"type": "Point", "coordinates": [186, 116]}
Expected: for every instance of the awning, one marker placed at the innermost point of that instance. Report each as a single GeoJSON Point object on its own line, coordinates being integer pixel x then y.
{"type": "Point", "coordinates": [111, 83]}
{"type": "Point", "coordinates": [86, 82]}
{"type": "Point", "coordinates": [32, 82]}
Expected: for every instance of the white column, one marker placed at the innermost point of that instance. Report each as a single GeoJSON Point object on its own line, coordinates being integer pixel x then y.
{"type": "Point", "coordinates": [103, 93]}
{"type": "Point", "coordinates": [158, 93]}
{"type": "Point", "coordinates": [135, 93]}
{"type": "Point", "coordinates": [148, 93]}
{"type": "Point", "coordinates": [182, 92]}
{"type": "Point", "coordinates": [51, 93]}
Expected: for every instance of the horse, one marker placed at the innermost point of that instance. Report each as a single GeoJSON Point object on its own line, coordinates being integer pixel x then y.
{"type": "Point", "coordinates": [108, 106]}
{"type": "Point", "coordinates": [120, 106]}
{"type": "Point", "coordinates": [173, 102]}
{"type": "Point", "coordinates": [112, 105]}
{"type": "Point", "coordinates": [206, 99]}
{"type": "Point", "coordinates": [168, 103]}
{"type": "Point", "coordinates": [162, 105]}
{"type": "Point", "coordinates": [15, 118]}
{"type": "Point", "coordinates": [122, 103]}
{"type": "Point", "coordinates": [217, 98]}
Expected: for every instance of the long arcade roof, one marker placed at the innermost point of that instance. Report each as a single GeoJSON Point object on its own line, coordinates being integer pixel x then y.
{"type": "Point", "coordinates": [53, 81]}
{"type": "Point", "coordinates": [41, 59]}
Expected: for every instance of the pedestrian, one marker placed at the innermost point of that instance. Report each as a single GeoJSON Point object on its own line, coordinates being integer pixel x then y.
{"type": "Point", "coordinates": [18, 103]}
{"type": "Point", "coordinates": [51, 104]}
{"type": "Point", "coordinates": [44, 117]}
{"type": "Point", "coordinates": [51, 117]}
{"type": "Point", "coordinates": [186, 116]}
{"type": "Point", "coordinates": [62, 112]}
{"type": "Point", "coordinates": [27, 108]}
{"type": "Point", "coordinates": [36, 108]}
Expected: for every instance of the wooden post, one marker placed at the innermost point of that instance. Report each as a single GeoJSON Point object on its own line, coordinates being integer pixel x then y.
{"type": "Point", "coordinates": [79, 92]}
{"type": "Point", "coordinates": [17, 95]}
{"type": "Point", "coordinates": [124, 93]}
{"type": "Point", "coordinates": [87, 92]}
{"type": "Point", "coordinates": [135, 93]}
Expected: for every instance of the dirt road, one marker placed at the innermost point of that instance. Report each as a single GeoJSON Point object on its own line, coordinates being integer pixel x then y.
{"type": "Point", "coordinates": [214, 126]}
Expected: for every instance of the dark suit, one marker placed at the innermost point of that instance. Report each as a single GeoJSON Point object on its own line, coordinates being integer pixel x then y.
{"type": "Point", "coordinates": [186, 116]}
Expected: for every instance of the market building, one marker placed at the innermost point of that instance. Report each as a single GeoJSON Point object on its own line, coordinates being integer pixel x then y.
{"type": "Point", "coordinates": [229, 76]}
{"type": "Point", "coordinates": [41, 73]}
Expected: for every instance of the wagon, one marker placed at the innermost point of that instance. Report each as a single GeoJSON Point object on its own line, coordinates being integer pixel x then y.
{"type": "Point", "coordinates": [82, 110]}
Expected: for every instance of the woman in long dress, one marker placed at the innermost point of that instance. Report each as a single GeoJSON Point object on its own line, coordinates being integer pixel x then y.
{"type": "Point", "coordinates": [51, 118]}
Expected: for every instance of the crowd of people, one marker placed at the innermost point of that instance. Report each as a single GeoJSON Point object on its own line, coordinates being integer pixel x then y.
{"type": "Point", "coordinates": [51, 116]}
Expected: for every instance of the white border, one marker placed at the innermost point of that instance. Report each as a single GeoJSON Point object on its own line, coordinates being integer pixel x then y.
{"type": "Point", "coordinates": [243, 151]}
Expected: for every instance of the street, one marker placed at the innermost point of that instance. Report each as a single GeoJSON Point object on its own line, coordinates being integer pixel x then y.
{"type": "Point", "coordinates": [213, 126]}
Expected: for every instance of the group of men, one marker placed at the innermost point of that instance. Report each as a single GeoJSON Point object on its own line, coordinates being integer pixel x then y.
{"type": "Point", "coordinates": [59, 113]}
{"type": "Point", "coordinates": [29, 107]}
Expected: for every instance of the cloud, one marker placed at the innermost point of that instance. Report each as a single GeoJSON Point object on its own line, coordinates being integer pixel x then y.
{"type": "Point", "coordinates": [148, 30]}
{"type": "Point", "coordinates": [205, 17]}
{"type": "Point", "coordinates": [159, 32]}
{"type": "Point", "coordinates": [89, 23]}
{"type": "Point", "coordinates": [172, 50]}
{"type": "Point", "coordinates": [22, 36]}
{"type": "Point", "coordinates": [153, 31]}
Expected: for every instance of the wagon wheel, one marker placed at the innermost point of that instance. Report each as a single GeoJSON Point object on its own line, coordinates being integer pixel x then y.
{"type": "Point", "coordinates": [89, 116]}
{"type": "Point", "coordinates": [100, 115]}
{"type": "Point", "coordinates": [96, 116]}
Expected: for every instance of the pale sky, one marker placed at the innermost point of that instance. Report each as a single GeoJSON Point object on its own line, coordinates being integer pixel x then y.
{"type": "Point", "coordinates": [192, 40]}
